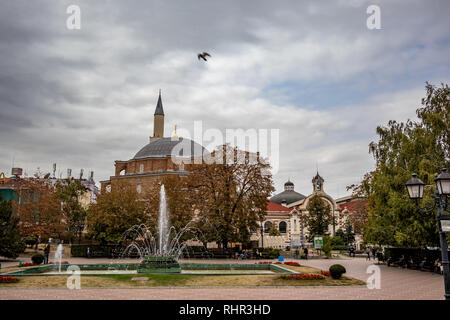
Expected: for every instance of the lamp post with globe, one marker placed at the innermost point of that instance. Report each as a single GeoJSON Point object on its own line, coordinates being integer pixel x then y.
{"type": "Point", "coordinates": [415, 188]}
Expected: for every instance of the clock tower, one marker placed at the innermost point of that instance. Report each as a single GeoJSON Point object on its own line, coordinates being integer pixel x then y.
{"type": "Point", "coordinates": [317, 183]}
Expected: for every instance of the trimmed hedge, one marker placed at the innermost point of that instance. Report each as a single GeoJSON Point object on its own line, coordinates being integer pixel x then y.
{"type": "Point", "coordinates": [417, 254]}
{"type": "Point", "coordinates": [98, 251]}
{"type": "Point", "coordinates": [37, 258]}
{"type": "Point", "coordinates": [336, 271]}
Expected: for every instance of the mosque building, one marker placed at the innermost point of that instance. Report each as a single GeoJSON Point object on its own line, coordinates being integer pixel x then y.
{"type": "Point", "coordinates": [162, 156]}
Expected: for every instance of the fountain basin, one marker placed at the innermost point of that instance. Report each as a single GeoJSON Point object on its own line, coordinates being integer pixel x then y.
{"type": "Point", "coordinates": [132, 268]}
{"type": "Point", "coordinates": [159, 264]}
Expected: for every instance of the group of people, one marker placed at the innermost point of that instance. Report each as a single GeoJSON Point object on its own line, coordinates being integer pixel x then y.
{"type": "Point", "coordinates": [375, 253]}
{"type": "Point", "coordinates": [434, 266]}
{"type": "Point", "coordinates": [243, 254]}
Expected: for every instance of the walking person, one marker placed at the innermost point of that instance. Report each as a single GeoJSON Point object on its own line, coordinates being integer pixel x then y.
{"type": "Point", "coordinates": [305, 251]}
{"type": "Point", "coordinates": [368, 254]}
{"type": "Point", "coordinates": [46, 253]}
{"type": "Point", "coordinates": [374, 253]}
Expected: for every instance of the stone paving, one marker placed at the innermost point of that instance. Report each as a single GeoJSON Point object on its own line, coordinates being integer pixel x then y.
{"type": "Point", "coordinates": [395, 284]}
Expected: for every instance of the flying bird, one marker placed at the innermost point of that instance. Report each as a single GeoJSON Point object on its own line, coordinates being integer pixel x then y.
{"type": "Point", "coordinates": [203, 56]}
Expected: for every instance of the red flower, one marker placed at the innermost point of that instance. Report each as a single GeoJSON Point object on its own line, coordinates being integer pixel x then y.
{"type": "Point", "coordinates": [8, 280]}
{"type": "Point", "coordinates": [303, 276]}
{"type": "Point", "coordinates": [28, 264]}
{"type": "Point", "coordinates": [292, 263]}
{"type": "Point", "coordinates": [325, 273]}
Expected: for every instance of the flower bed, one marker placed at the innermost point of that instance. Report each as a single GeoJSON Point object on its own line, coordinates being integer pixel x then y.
{"type": "Point", "coordinates": [292, 263]}
{"type": "Point", "coordinates": [264, 262]}
{"type": "Point", "coordinates": [8, 280]}
{"type": "Point", "coordinates": [325, 273]}
{"type": "Point", "coordinates": [28, 264]}
{"type": "Point", "coordinates": [303, 276]}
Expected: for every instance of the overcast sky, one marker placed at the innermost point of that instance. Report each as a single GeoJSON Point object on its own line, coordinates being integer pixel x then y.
{"type": "Point", "coordinates": [84, 98]}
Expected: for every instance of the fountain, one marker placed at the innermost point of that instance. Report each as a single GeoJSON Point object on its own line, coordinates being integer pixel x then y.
{"type": "Point", "coordinates": [58, 255]}
{"type": "Point", "coordinates": [159, 254]}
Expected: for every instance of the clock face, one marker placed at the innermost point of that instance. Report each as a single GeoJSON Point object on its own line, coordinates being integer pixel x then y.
{"type": "Point", "coordinates": [318, 184]}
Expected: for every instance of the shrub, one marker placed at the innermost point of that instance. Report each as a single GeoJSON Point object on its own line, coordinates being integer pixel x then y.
{"type": "Point", "coordinates": [37, 258]}
{"type": "Point", "coordinates": [340, 248]}
{"type": "Point", "coordinates": [326, 248]}
{"type": "Point", "coordinates": [336, 271]}
{"type": "Point", "coordinates": [292, 263]}
{"type": "Point", "coordinates": [30, 241]}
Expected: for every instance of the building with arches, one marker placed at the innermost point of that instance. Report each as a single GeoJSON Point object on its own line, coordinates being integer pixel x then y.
{"type": "Point", "coordinates": [286, 212]}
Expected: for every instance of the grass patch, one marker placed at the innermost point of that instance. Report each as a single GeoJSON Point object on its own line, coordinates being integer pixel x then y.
{"type": "Point", "coordinates": [180, 280]}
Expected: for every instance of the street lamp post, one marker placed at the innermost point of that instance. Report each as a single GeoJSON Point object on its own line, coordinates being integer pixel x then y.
{"type": "Point", "coordinates": [415, 188]}
{"type": "Point", "coordinates": [262, 235]}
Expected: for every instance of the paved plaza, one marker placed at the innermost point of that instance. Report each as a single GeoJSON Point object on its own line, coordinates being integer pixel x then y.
{"type": "Point", "coordinates": [395, 284]}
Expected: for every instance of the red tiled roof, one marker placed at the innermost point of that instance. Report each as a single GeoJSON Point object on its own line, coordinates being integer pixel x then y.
{"type": "Point", "coordinates": [275, 207]}
{"type": "Point", "coordinates": [353, 206]}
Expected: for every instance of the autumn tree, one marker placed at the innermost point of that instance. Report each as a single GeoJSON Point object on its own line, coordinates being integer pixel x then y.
{"type": "Point", "coordinates": [69, 192]}
{"type": "Point", "coordinates": [319, 216]}
{"type": "Point", "coordinates": [39, 209]}
{"type": "Point", "coordinates": [230, 194]}
{"type": "Point", "coordinates": [179, 203]}
{"type": "Point", "coordinates": [115, 212]}
{"type": "Point", "coordinates": [11, 243]}
{"type": "Point", "coordinates": [421, 147]}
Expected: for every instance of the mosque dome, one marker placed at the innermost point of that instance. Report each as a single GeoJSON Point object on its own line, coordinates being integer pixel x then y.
{"type": "Point", "coordinates": [176, 147]}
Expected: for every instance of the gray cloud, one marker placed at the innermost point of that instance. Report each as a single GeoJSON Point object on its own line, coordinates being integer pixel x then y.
{"type": "Point", "coordinates": [86, 98]}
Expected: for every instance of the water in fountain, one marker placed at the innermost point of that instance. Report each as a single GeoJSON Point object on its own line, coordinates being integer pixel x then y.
{"type": "Point", "coordinates": [58, 255]}
{"type": "Point", "coordinates": [163, 223]}
{"type": "Point", "coordinates": [165, 248]}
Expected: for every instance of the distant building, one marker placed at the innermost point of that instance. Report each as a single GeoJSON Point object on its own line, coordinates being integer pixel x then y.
{"type": "Point", "coordinates": [9, 187]}
{"type": "Point", "coordinates": [285, 211]}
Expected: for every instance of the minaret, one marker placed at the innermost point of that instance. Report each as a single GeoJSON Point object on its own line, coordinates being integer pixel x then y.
{"type": "Point", "coordinates": [158, 120]}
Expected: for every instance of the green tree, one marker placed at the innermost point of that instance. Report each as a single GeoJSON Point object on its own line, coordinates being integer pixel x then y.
{"type": "Point", "coordinates": [69, 192]}
{"type": "Point", "coordinates": [404, 148]}
{"type": "Point", "coordinates": [115, 212]}
{"type": "Point", "coordinates": [11, 243]}
{"type": "Point", "coordinates": [349, 235]}
{"type": "Point", "coordinates": [274, 231]}
{"type": "Point", "coordinates": [327, 245]}
{"type": "Point", "coordinates": [319, 217]}
{"type": "Point", "coordinates": [341, 234]}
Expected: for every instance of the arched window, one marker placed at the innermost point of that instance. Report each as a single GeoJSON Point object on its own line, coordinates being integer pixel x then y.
{"type": "Point", "coordinates": [282, 226]}
{"type": "Point", "coordinates": [141, 167]}
{"type": "Point", "coordinates": [139, 188]}
{"type": "Point", "coordinates": [267, 226]}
